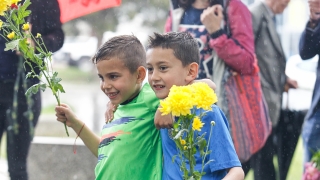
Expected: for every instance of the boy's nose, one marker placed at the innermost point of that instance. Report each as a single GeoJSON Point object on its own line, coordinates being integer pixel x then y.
{"type": "Point", "coordinates": [106, 85]}
{"type": "Point", "coordinates": [154, 76]}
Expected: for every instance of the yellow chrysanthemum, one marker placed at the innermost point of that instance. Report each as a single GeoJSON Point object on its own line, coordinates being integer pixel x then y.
{"type": "Point", "coordinates": [4, 4]}
{"type": "Point", "coordinates": [183, 142]}
{"type": "Point", "coordinates": [185, 147]}
{"type": "Point", "coordinates": [197, 124]}
{"type": "Point", "coordinates": [178, 101]}
{"type": "Point", "coordinates": [11, 35]}
{"type": "Point", "coordinates": [26, 26]}
{"type": "Point", "coordinates": [15, 1]}
{"type": "Point", "coordinates": [203, 96]}
{"type": "Point", "coordinates": [165, 107]}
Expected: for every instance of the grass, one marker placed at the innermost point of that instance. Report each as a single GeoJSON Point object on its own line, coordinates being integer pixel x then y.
{"type": "Point", "coordinates": [295, 170]}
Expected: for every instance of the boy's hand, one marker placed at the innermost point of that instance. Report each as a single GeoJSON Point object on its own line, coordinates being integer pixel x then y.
{"type": "Point", "coordinates": [210, 83]}
{"type": "Point", "coordinates": [65, 114]}
{"type": "Point", "coordinates": [165, 121]}
{"type": "Point", "coordinates": [108, 115]}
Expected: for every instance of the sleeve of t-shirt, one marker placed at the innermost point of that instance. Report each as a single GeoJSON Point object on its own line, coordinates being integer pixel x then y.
{"type": "Point", "coordinates": [222, 149]}
{"type": "Point", "coordinates": [150, 98]}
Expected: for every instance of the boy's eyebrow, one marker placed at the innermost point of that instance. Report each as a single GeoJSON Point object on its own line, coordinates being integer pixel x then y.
{"type": "Point", "coordinates": [109, 73]}
{"type": "Point", "coordinates": [159, 62]}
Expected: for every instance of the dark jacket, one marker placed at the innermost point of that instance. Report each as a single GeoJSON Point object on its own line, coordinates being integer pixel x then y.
{"type": "Point", "coordinates": [309, 46]}
{"type": "Point", "coordinates": [45, 19]}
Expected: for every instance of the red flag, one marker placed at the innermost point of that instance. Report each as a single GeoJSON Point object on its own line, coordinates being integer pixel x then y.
{"type": "Point", "coordinates": [71, 9]}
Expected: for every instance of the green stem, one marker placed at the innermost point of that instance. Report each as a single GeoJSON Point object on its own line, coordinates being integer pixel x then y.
{"type": "Point", "coordinates": [204, 157]}
{"type": "Point", "coordinates": [190, 152]}
{"type": "Point", "coordinates": [56, 96]}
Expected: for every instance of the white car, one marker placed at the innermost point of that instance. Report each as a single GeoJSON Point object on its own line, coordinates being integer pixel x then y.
{"type": "Point", "coordinates": [77, 51]}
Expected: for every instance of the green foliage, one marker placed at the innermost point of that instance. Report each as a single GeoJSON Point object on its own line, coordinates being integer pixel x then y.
{"type": "Point", "coordinates": [189, 142]}
{"type": "Point", "coordinates": [32, 49]}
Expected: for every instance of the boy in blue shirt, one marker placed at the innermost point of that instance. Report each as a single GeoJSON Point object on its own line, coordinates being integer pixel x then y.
{"type": "Point", "coordinates": [172, 59]}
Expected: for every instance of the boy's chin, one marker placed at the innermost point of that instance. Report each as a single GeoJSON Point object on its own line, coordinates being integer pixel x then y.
{"type": "Point", "coordinates": [161, 95]}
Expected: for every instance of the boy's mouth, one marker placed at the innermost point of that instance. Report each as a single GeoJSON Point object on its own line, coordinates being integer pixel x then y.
{"type": "Point", "coordinates": [158, 87]}
{"type": "Point", "coordinates": [112, 95]}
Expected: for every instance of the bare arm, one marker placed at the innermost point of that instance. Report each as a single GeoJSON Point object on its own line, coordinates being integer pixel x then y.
{"type": "Point", "coordinates": [91, 140]}
{"type": "Point", "coordinates": [235, 173]}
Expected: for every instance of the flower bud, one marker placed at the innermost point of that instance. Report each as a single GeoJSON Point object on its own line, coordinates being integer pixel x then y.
{"type": "Point", "coordinates": [213, 123]}
{"type": "Point", "coordinates": [26, 26]}
{"type": "Point", "coordinates": [11, 35]}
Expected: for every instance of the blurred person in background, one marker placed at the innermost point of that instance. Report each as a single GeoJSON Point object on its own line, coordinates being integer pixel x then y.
{"type": "Point", "coordinates": [44, 19]}
{"type": "Point", "coordinates": [309, 46]}
{"type": "Point", "coordinates": [272, 63]}
{"type": "Point", "coordinates": [223, 29]}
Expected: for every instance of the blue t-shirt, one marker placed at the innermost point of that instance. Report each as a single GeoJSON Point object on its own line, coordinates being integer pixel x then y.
{"type": "Point", "coordinates": [222, 153]}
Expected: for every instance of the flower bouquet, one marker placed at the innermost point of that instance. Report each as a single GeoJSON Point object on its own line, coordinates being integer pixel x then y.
{"type": "Point", "coordinates": [312, 168]}
{"type": "Point", "coordinates": [17, 32]}
{"type": "Point", "coordinates": [182, 102]}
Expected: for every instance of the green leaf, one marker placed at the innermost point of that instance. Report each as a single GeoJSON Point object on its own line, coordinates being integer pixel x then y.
{"type": "Point", "coordinates": [25, 5]}
{"type": "Point", "coordinates": [174, 157]}
{"type": "Point", "coordinates": [12, 45]}
{"type": "Point", "coordinates": [32, 90]}
{"type": "Point", "coordinates": [60, 88]}
{"type": "Point", "coordinates": [43, 87]}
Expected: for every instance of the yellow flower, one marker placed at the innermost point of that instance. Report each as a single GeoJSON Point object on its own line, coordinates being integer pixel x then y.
{"type": "Point", "coordinates": [185, 147]}
{"type": "Point", "coordinates": [203, 96]}
{"type": "Point", "coordinates": [197, 124]}
{"type": "Point", "coordinates": [15, 1]}
{"type": "Point", "coordinates": [1, 23]}
{"type": "Point", "coordinates": [26, 26]}
{"type": "Point", "coordinates": [182, 142]}
{"type": "Point", "coordinates": [179, 100]}
{"type": "Point", "coordinates": [38, 35]}
{"type": "Point", "coordinates": [11, 35]}
{"type": "Point", "coordinates": [4, 4]}
{"type": "Point", "coordinates": [165, 107]}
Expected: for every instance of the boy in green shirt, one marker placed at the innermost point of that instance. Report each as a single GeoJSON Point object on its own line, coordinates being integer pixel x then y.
{"type": "Point", "coordinates": [130, 145]}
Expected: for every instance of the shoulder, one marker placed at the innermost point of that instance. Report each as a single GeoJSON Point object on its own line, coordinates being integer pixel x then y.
{"type": "Point", "coordinates": [217, 116]}
{"type": "Point", "coordinates": [148, 96]}
{"type": "Point", "coordinates": [238, 11]}
{"type": "Point", "coordinates": [257, 9]}
{"type": "Point", "coordinates": [237, 5]}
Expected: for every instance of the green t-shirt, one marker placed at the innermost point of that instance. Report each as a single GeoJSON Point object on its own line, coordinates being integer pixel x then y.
{"type": "Point", "coordinates": [130, 146]}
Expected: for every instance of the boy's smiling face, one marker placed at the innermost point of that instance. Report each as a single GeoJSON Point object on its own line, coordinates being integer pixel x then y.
{"type": "Point", "coordinates": [117, 82]}
{"type": "Point", "coordinates": [165, 70]}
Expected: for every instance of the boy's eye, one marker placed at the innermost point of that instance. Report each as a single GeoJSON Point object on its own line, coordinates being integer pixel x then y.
{"type": "Point", "coordinates": [149, 69]}
{"type": "Point", "coordinates": [162, 68]}
{"type": "Point", "coordinates": [113, 76]}
{"type": "Point", "coordinates": [101, 78]}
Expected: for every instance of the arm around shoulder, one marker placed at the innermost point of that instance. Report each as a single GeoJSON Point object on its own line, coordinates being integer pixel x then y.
{"type": "Point", "coordinates": [235, 173]}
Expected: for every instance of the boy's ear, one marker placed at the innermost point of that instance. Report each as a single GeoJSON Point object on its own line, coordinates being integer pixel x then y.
{"type": "Point", "coordinates": [193, 72]}
{"type": "Point", "coordinates": [141, 75]}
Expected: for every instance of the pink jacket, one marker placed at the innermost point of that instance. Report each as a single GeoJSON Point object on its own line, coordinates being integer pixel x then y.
{"type": "Point", "coordinates": [237, 51]}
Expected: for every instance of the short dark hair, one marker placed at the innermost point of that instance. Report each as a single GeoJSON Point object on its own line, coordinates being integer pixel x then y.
{"type": "Point", "coordinates": [184, 46]}
{"type": "Point", "coordinates": [127, 48]}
